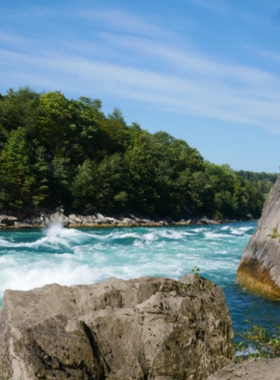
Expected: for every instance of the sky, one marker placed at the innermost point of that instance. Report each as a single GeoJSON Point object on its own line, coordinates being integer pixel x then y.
{"type": "Point", "coordinates": [205, 71]}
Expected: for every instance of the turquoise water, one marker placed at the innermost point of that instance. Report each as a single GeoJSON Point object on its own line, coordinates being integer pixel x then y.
{"type": "Point", "coordinates": [32, 258]}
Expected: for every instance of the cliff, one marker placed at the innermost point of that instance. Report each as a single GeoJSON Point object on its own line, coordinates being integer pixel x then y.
{"type": "Point", "coordinates": [148, 328]}
{"type": "Point", "coordinates": [259, 269]}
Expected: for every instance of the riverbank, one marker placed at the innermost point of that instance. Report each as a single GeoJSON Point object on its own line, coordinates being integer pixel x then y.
{"type": "Point", "coordinates": [98, 220]}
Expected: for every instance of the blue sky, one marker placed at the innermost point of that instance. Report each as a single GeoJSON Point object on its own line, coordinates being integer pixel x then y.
{"type": "Point", "coordinates": [206, 71]}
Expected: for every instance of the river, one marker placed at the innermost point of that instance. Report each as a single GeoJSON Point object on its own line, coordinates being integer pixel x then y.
{"type": "Point", "coordinates": [32, 258]}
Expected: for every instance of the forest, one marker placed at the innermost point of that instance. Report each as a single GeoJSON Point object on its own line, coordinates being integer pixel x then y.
{"type": "Point", "coordinates": [56, 151]}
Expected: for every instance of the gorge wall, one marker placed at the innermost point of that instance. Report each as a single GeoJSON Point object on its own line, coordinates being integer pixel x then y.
{"type": "Point", "coordinates": [259, 269]}
{"type": "Point", "coordinates": [148, 328]}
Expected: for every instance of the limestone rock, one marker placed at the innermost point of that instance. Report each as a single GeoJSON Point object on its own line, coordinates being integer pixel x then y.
{"type": "Point", "coordinates": [22, 225]}
{"type": "Point", "coordinates": [127, 222]}
{"type": "Point", "coordinates": [75, 219]}
{"type": "Point", "coordinates": [252, 369]}
{"type": "Point", "coordinates": [148, 328]}
{"type": "Point", "coordinates": [112, 221]}
{"type": "Point", "coordinates": [60, 218]}
{"type": "Point", "coordinates": [259, 269]}
{"type": "Point", "coordinates": [8, 220]}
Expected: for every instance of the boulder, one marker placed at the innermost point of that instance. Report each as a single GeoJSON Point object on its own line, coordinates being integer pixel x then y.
{"type": "Point", "coordinates": [22, 225]}
{"type": "Point", "coordinates": [259, 268]}
{"type": "Point", "coordinates": [147, 328]}
{"type": "Point", "coordinates": [127, 222]}
{"type": "Point", "coordinates": [88, 219]}
{"type": "Point", "coordinates": [112, 221]}
{"type": "Point", "coordinates": [60, 218]}
{"type": "Point", "coordinates": [252, 369]}
{"type": "Point", "coordinates": [75, 219]}
{"type": "Point", "coordinates": [8, 220]}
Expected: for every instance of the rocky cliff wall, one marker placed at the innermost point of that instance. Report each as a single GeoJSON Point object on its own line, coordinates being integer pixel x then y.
{"type": "Point", "coordinates": [259, 269]}
{"type": "Point", "coordinates": [148, 328]}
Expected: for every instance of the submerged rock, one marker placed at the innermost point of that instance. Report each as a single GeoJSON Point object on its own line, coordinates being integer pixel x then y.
{"type": "Point", "coordinates": [147, 328]}
{"type": "Point", "coordinates": [259, 269]}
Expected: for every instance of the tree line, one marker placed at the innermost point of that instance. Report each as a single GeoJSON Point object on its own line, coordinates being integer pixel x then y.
{"type": "Point", "coordinates": [58, 151]}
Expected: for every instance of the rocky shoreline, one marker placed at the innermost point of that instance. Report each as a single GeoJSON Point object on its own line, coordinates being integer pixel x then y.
{"type": "Point", "coordinates": [43, 219]}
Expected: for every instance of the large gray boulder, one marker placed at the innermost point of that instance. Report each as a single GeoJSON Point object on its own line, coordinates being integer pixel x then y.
{"type": "Point", "coordinates": [259, 268]}
{"type": "Point", "coordinates": [148, 328]}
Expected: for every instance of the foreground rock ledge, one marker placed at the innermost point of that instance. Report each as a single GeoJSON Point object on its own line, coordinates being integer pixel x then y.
{"type": "Point", "coordinates": [252, 369]}
{"type": "Point", "coordinates": [259, 269]}
{"type": "Point", "coordinates": [148, 328]}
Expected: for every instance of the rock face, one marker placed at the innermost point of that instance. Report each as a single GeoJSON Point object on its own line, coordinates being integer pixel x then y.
{"type": "Point", "coordinates": [259, 269]}
{"type": "Point", "coordinates": [252, 369]}
{"type": "Point", "coordinates": [148, 328]}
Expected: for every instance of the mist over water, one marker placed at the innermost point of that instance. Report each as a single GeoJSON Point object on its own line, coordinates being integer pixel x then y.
{"type": "Point", "coordinates": [33, 258]}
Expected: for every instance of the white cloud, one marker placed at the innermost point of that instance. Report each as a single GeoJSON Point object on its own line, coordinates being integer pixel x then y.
{"type": "Point", "coordinates": [140, 63]}
{"type": "Point", "coordinates": [270, 55]}
{"type": "Point", "coordinates": [212, 97]}
{"type": "Point", "coordinates": [123, 22]}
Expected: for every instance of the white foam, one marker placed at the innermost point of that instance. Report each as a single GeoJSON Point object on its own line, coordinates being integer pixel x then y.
{"type": "Point", "coordinates": [150, 236]}
{"type": "Point", "coordinates": [71, 256]}
{"type": "Point", "coordinates": [28, 276]}
{"type": "Point", "coordinates": [169, 234]}
{"type": "Point", "coordinates": [250, 350]}
{"type": "Point", "coordinates": [215, 235]}
{"type": "Point", "coordinates": [225, 228]}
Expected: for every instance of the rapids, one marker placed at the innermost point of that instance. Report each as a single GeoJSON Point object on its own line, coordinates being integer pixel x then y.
{"type": "Point", "coordinates": [33, 258]}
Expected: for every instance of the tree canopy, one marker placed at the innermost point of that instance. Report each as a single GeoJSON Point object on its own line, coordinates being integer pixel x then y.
{"type": "Point", "coordinates": [58, 151]}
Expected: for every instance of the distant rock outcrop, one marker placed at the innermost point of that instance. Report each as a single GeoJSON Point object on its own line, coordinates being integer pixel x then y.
{"type": "Point", "coordinates": [148, 328]}
{"type": "Point", "coordinates": [259, 269]}
{"type": "Point", "coordinates": [44, 218]}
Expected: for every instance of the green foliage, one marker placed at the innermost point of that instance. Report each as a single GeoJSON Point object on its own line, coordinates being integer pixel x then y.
{"type": "Point", "coordinates": [55, 150]}
{"type": "Point", "coordinates": [196, 271]}
{"type": "Point", "coordinates": [265, 342]}
{"type": "Point", "coordinates": [263, 182]}
{"type": "Point", "coordinates": [24, 171]}
{"type": "Point", "coordinates": [274, 234]}
{"type": "Point", "coordinates": [83, 187]}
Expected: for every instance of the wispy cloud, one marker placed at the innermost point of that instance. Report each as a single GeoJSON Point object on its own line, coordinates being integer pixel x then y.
{"type": "Point", "coordinates": [270, 55]}
{"type": "Point", "coordinates": [141, 63]}
{"type": "Point", "coordinates": [123, 22]}
{"type": "Point", "coordinates": [220, 6]}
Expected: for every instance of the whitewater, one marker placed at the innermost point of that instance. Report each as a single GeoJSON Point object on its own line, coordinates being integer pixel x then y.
{"type": "Point", "coordinates": [33, 258]}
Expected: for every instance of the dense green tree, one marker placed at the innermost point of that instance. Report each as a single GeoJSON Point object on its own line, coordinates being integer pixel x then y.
{"type": "Point", "coordinates": [23, 170]}
{"type": "Point", "coordinates": [83, 187]}
{"type": "Point", "coordinates": [111, 183]}
{"type": "Point", "coordinates": [261, 181]}
{"type": "Point", "coordinates": [18, 109]}
{"type": "Point", "coordinates": [58, 151]}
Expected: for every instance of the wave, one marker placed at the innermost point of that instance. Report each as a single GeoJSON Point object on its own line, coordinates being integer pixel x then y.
{"type": "Point", "coordinates": [216, 235]}
{"type": "Point", "coordinates": [70, 256]}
